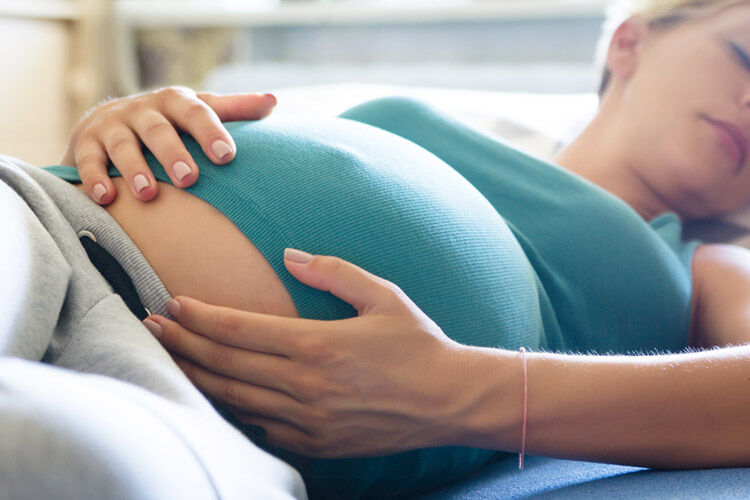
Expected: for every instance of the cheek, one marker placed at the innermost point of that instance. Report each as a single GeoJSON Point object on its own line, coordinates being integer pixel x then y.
{"type": "Point", "coordinates": [679, 160]}
{"type": "Point", "coordinates": [701, 172]}
{"type": "Point", "coordinates": [698, 148]}
{"type": "Point", "coordinates": [670, 150]}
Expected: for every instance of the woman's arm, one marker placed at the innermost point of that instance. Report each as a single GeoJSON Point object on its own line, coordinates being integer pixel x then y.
{"type": "Point", "coordinates": [389, 380]}
{"type": "Point", "coordinates": [669, 411]}
{"type": "Point", "coordinates": [688, 410]}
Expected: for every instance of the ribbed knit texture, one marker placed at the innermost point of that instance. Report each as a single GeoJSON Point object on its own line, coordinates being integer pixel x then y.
{"type": "Point", "coordinates": [85, 215]}
{"type": "Point", "coordinates": [611, 282]}
{"type": "Point", "coordinates": [416, 197]}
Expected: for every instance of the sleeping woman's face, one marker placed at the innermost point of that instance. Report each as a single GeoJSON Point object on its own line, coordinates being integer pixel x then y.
{"type": "Point", "coordinates": [680, 92]}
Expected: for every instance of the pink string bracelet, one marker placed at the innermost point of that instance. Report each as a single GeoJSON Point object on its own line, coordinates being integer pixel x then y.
{"type": "Point", "coordinates": [525, 407]}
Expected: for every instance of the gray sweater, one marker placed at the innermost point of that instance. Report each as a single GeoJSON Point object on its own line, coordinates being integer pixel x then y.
{"type": "Point", "coordinates": [91, 405]}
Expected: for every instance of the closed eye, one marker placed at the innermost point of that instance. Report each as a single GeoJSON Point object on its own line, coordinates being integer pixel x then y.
{"type": "Point", "coordinates": [741, 54]}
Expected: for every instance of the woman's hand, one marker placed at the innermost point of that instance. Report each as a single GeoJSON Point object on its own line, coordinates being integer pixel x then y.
{"type": "Point", "coordinates": [386, 381]}
{"type": "Point", "coordinates": [117, 130]}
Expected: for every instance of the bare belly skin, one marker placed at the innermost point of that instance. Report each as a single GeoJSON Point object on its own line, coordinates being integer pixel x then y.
{"type": "Point", "coordinates": [198, 252]}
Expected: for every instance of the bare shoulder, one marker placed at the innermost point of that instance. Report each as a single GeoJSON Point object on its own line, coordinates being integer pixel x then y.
{"type": "Point", "coordinates": [715, 261]}
{"type": "Point", "coordinates": [721, 296]}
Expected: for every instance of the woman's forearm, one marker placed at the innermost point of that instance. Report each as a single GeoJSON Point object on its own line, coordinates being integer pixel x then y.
{"type": "Point", "coordinates": [669, 411]}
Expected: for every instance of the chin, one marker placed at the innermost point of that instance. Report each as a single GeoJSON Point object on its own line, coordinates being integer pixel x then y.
{"type": "Point", "coordinates": [722, 206]}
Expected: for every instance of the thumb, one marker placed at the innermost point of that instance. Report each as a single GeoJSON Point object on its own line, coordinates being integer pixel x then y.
{"type": "Point", "coordinates": [236, 107]}
{"type": "Point", "coordinates": [352, 284]}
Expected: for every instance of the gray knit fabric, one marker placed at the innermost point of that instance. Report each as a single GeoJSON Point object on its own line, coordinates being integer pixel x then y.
{"type": "Point", "coordinates": [85, 215]}
{"type": "Point", "coordinates": [91, 405]}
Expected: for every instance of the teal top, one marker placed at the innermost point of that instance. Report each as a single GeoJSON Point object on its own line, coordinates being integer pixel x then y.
{"type": "Point", "coordinates": [500, 248]}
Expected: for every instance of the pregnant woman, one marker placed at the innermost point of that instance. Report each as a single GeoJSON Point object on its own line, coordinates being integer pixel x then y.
{"type": "Point", "coordinates": [343, 187]}
{"type": "Point", "coordinates": [498, 249]}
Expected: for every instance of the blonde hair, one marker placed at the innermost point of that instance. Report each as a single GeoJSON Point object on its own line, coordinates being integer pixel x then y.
{"type": "Point", "coordinates": [660, 14]}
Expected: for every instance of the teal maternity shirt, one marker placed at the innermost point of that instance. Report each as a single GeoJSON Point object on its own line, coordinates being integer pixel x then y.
{"type": "Point", "coordinates": [499, 248]}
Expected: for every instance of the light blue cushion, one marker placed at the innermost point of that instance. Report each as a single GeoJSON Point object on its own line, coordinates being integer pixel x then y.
{"type": "Point", "coordinates": [562, 479]}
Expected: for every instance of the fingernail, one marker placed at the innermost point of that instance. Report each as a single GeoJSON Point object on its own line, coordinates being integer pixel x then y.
{"type": "Point", "coordinates": [272, 97]}
{"type": "Point", "coordinates": [221, 149]}
{"type": "Point", "coordinates": [140, 182]}
{"type": "Point", "coordinates": [297, 256]}
{"type": "Point", "coordinates": [153, 327]}
{"type": "Point", "coordinates": [174, 308]}
{"type": "Point", "coordinates": [99, 191]}
{"type": "Point", "coordinates": [181, 170]}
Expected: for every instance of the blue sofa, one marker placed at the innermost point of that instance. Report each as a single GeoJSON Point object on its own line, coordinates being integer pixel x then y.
{"type": "Point", "coordinates": [553, 478]}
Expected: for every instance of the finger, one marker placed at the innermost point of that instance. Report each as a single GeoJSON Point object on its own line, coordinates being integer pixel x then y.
{"type": "Point", "coordinates": [124, 149]}
{"type": "Point", "coordinates": [263, 369]}
{"type": "Point", "coordinates": [363, 290]}
{"type": "Point", "coordinates": [236, 107]}
{"type": "Point", "coordinates": [91, 161]}
{"type": "Point", "coordinates": [196, 118]}
{"type": "Point", "coordinates": [241, 395]}
{"type": "Point", "coordinates": [248, 330]}
{"type": "Point", "coordinates": [161, 138]}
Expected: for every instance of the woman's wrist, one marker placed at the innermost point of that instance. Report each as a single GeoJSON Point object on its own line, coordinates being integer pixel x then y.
{"type": "Point", "coordinates": [664, 411]}
{"type": "Point", "coordinates": [486, 407]}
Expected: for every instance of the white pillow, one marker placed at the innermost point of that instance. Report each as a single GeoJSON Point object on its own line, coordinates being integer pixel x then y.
{"type": "Point", "coordinates": [539, 124]}
{"type": "Point", "coordinates": [536, 123]}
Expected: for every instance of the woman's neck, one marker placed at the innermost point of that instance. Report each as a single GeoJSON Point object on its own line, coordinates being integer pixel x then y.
{"type": "Point", "coordinates": [598, 156]}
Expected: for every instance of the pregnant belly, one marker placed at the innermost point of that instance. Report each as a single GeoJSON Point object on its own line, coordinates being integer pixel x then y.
{"type": "Point", "coordinates": [338, 187]}
{"type": "Point", "coordinates": [197, 251]}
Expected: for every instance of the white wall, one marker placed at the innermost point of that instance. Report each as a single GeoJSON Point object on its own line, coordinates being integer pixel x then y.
{"type": "Point", "coordinates": [34, 108]}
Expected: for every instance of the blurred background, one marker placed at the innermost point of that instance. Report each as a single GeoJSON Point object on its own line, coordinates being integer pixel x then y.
{"type": "Point", "coordinates": [508, 65]}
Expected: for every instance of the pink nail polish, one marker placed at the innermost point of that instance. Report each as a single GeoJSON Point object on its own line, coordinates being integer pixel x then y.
{"type": "Point", "coordinates": [140, 183]}
{"type": "Point", "coordinates": [221, 149]}
{"type": "Point", "coordinates": [298, 256]}
{"type": "Point", "coordinates": [174, 308]}
{"type": "Point", "coordinates": [153, 327]}
{"type": "Point", "coordinates": [99, 191]}
{"type": "Point", "coordinates": [181, 170]}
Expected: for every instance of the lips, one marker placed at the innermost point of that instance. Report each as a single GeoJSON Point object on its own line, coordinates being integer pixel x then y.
{"type": "Point", "coordinates": [736, 135]}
